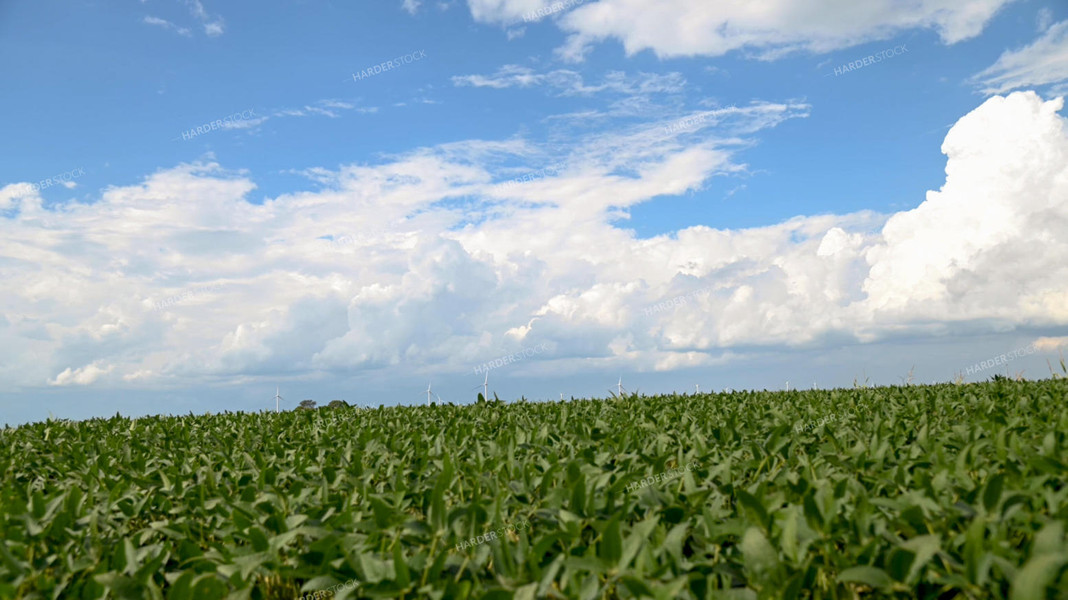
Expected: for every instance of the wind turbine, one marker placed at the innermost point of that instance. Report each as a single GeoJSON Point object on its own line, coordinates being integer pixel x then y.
{"type": "Point", "coordinates": [698, 387]}
{"type": "Point", "coordinates": [428, 392]}
{"type": "Point", "coordinates": [485, 387]}
{"type": "Point", "coordinates": [277, 398]}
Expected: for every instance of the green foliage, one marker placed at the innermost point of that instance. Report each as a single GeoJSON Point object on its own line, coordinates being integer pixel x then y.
{"type": "Point", "coordinates": [334, 404]}
{"type": "Point", "coordinates": [946, 491]}
{"type": "Point", "coordinates": [306, 405]}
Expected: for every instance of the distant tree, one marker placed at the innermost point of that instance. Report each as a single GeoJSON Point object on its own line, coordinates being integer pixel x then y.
{"type": "Point", "coordinates": [306, 405]}
{"type": "Point", "coordinates": [338, 404]}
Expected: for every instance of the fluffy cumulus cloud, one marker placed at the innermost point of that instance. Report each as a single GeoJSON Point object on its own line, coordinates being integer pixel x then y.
{"type": "Point", "coordinates": [83, 376]}
{"type": "Point", "coordinates": [426, 261]}
{"type": "Point", "coordinates": [1043, 62]}
{"type": "Point", "coordinates": [987, 244]}
{"type": "Point", "coordinates": [768, 29]}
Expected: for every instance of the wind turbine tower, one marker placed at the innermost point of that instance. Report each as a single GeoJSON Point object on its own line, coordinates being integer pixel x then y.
{"type": "Point", "coordinates": [277, 398]}
{"type": "Point", "coordinates": [429, 393]}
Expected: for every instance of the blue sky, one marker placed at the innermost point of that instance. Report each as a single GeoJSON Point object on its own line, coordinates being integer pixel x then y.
{"type": "Point", "coordinates": [350, 238]}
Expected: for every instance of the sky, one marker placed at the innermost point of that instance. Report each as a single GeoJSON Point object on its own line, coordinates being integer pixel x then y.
{"type": "Point", "coordinates": [203, 203]}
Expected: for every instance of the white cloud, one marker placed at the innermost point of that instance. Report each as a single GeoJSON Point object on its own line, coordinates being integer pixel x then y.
{"type": "Point", "coordinates": [467, 271]}
{"type": "Point", "coordinates": [213, 26]}
{"type": "Point", "coordinates": [570, 83]}
{"type": "Point", "coordinates": [769, 29]}
{"type": "Point", "coordinates": [324, 108]}
{"type": "Point", "coordinates": [1050, 344]}
{"type": "Point", "coordinates": [83, 376]}
{"type": "Point", "coordinates": [412, 6]}
{"type": "Point", "coordinates": [1043, 62]}
{"type": "Point", "coordinates": [167, 25]}
{"type": "Point", "coordinates": [983, 246]}
{"type": "Point", "coordinates": [1044, 19]}
{"type": "Point", "coordinates": [12, 194]}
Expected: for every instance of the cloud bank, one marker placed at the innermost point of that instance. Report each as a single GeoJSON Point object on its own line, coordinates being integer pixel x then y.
{"type": "Point", "coordinates": [768, 29]}
{"type": "Point", "coordinates": [424, 261]}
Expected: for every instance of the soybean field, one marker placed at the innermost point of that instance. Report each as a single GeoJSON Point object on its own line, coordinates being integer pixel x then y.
{"type": "Point", "coordinates": [942, 491]}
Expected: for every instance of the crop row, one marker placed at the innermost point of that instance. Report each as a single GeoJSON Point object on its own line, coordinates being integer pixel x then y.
{"type": "Point", "coordinates": [930, 492]}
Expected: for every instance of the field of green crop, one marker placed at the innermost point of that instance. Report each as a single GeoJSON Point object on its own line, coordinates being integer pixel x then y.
{"type": "Point", "coordinates": [945, 491]}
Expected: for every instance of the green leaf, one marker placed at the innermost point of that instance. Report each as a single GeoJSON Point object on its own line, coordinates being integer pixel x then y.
{"type": "Point", "coordinates": [1049, 539]}
{"type": "Point", "coordinates": [754, 507]}
{"type": "Point", "coordinates": [992, 493]}
{"type": "Point", "coordinates": [872, 577]}
{"type": "Point", "coordinates": [812, 511]}
{"type": "Point", "coordinates": [636, 586]}
{"type": "Point", "coordinates": [438, 513]}
{"type": "Point", "coordinates": [759, 555]}
{"type": "Point", "coordinates": [527, 592]}
{"type": "Point", "coordinates": [1036, 576]}
{"type": "Point", "coordinates": [639, 534]}
{"type": "Point", "coordinates": [924, 548]}
{"type": "Point", "coordinates": [897, 565]}
{"type": "Point", "coordinates": [612, 543]}
{"type": "Point", "coordinates": [400, 567]}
